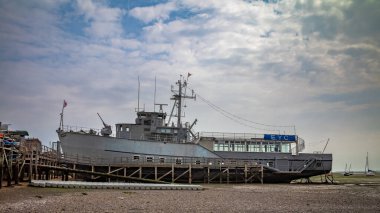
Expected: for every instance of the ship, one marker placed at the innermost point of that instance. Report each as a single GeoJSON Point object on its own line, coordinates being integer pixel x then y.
{"type": "Point", "coordinates": [155, 138]}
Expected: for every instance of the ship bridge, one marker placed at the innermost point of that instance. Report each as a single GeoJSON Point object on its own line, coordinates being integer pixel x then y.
{"type": "Point", "coordinates": [248, 142]}
{"type": "Point", "coordinates": [151, 126]}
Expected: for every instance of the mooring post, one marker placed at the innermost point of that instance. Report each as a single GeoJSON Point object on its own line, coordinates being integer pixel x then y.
{"type": "Point", "coordinates": [220, 173]}
{"type": "Point", "coordinates": [74, 174]}
{"type": "Point", "coordinates": [172, 172]}
{"type": "Point", "coordinates": [16, 171]}
{"type": "Point", "coordinates": [1, 168]}
{"type": "Point", "coordinates": [109, 172]}
{"type": "Point", "coordinates": [36, 161]}
{"type": "Point", "coordinates": [208, 174]}
{"type": "Point", "coordinates": [9, 167]}
{"type": "Point", "coordinates": [9, 170]}
{"type": "Point", "coordinates": [155, 172]}
{"type": "Point", "coordinates": [245, 173]}
{"type": "Point", "coordinates": [30, 168]}
{"type": "Point", "coordinates": [92, 170]}
{"type": "Point", "coordinates": [228, 175]}
{"type": "Point", "coordinates": [1, 177]}
{"type": "Point", "coordinates": [236, 172]}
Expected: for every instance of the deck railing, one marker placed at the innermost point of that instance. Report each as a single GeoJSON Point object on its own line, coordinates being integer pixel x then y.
{"type": "Point", "coordinates": [79, 129]}
{"type": "Point", "coordinates": [230, 136]}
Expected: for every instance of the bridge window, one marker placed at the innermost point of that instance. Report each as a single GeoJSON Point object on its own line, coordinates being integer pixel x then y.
{"type": "Point", "coordinates": [285, 147]}
{"type": "Point", "coordinates": [239, 148]}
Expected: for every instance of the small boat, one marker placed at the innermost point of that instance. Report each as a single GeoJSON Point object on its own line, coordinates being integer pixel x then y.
{"type": "Point", "coordinates": [347, 172]}
{"type": "Point", "coordinates": [367, 171]}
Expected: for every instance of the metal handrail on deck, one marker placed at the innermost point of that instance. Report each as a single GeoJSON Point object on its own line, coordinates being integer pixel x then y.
{"type": "Point", "coordinates": [225, 135]}
{"type": "Point", "coordinates": [79, 129]}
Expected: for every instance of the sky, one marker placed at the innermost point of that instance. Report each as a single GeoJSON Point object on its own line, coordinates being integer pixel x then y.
{"type": "Point", "coordinates": [314, 65]}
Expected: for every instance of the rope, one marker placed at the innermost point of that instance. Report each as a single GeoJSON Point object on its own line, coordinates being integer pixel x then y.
{"type": "Point", "coordinates": [238, 119]}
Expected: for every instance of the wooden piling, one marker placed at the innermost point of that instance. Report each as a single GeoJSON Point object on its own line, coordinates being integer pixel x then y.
{"type": "Point", "coordinates": [1, 167]}
{"type": "Point", "coordinates": [245, 173]}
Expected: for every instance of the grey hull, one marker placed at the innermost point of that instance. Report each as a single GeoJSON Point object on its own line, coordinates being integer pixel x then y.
{"type": "Point", "coordinates": [86, 148]}
{"type": "Point", "coordinates": [110, 149]}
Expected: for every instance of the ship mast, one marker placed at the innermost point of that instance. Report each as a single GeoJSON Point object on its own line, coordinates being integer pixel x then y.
{"type": "Point", "coordinates": [178, 95]}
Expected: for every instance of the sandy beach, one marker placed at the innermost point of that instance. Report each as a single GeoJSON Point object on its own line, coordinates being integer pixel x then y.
{"type": "Point", "coordinates": [214, 198]}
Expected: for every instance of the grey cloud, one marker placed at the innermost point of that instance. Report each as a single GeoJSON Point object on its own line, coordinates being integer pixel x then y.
{"type": "Point", "coordinates": [369, 96]}
{"type": "Point", "coordinates": [362, 19]}
{"type": "Point", "coordinates": [326, 26]}
{"type": "Point", "coordinates": [351, 19]}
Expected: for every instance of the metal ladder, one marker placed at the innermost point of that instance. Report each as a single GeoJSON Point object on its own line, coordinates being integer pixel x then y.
{"type": "Point", "coordinates": [306, 164]}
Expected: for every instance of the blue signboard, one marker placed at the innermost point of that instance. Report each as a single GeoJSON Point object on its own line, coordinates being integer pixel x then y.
{"type": "Point", "coordinates": [270, 137]}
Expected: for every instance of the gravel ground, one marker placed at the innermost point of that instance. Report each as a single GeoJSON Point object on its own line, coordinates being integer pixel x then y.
{"type": "Point", "coordinates": [215, 198]}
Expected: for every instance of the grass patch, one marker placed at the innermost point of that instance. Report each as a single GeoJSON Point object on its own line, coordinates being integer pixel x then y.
{"type": "Point", "coordinates": [352, 179]}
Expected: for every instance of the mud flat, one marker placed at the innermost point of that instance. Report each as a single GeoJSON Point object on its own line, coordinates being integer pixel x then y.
{"type": "Point", "coordinates": [215, 198]}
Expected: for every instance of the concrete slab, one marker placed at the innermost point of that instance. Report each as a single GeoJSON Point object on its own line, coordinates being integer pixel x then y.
{"type": "Point", "coordinates": [110, 185]}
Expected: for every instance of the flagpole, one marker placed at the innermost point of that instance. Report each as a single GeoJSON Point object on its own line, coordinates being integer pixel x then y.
{"type": "Point", "coordinates": [154, 101]}
{"type": "Point", "coordinates": [138, 94]}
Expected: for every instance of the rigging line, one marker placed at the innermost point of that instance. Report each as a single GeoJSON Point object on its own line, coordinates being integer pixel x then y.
{"type": "Point", "coordinates": [238, 117]}
{"type": "Point", "coordinates": [236, 120]}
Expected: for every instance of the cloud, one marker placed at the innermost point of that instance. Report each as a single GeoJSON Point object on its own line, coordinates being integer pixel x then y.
{"type": "Point", "coordinates": [105, 22]}
{"type": "Point", "coordinates": [352, 20]}
{"type": "Point", "coordinates": [160, 12]}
